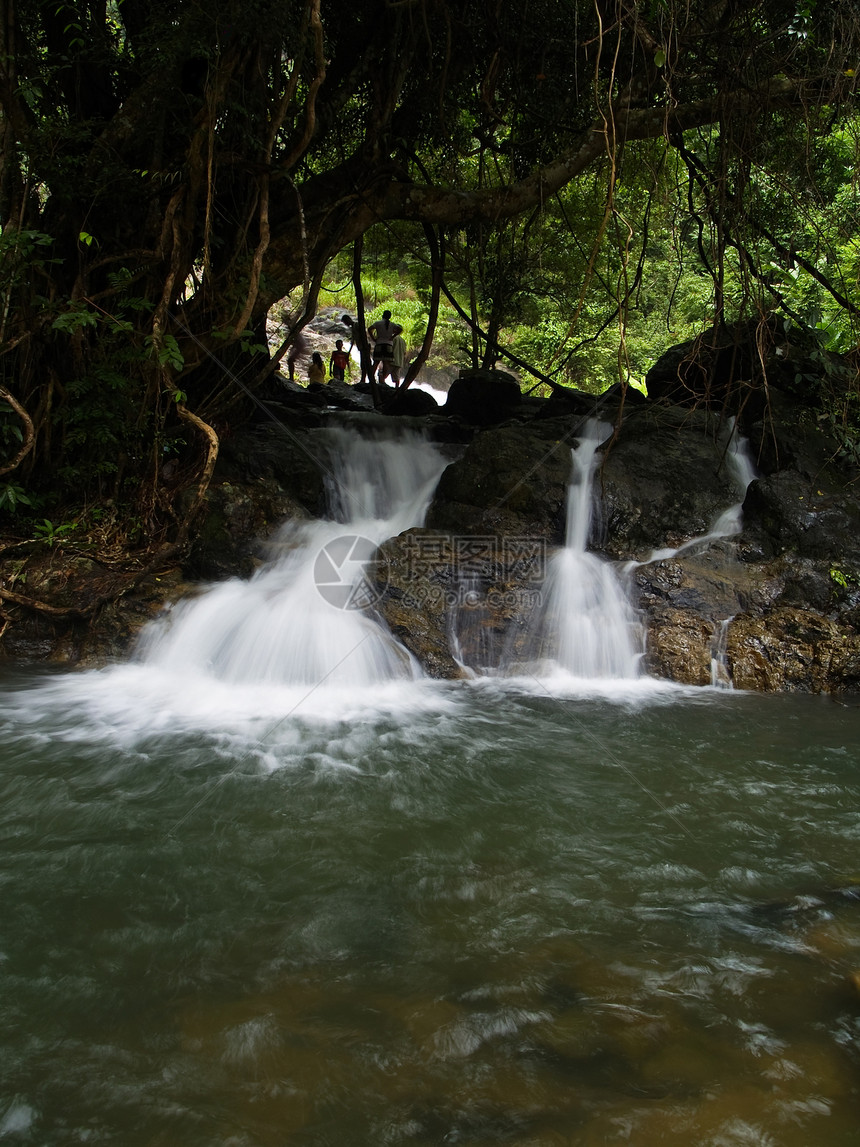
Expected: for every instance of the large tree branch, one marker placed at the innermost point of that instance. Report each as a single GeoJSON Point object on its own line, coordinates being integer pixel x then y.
{"type": "Point", "coordinates": [343, 205]}
{"type": "Point", "coordinates": [794, 257]}
{"type": "Point", "coordinates": [447, 206]}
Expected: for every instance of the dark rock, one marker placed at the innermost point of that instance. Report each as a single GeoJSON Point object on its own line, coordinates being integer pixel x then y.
{"type": "Point", "coordinates": [737, 368]}
{"type": "Point", "coordinates": [708, 369]}
{"type": "Point", "coordinates": [281, 394]}
{"type": "Point", "coordinates": [295, 460]}
{"type": "Point", "coordinates": [665, 480]}
{"type": "Point", "coordinates": [710, 585]}
{"type": "Point", "coordinates": [383, 391]}
{"type": "Point", "coordinates": [508, 481]}
{"type": "Point", "coordinates": [787, 512]}
{"type": "Point", "coordinates": [483, 397]}
{"type": "Point", "coordinates": [789, 436]}
{"type": "Point", "coordinates": [411, 403]}
{"type": "Point", "coordinates": [564, 402]}
{"type": "Point", "coordinates": [415, 598]}
{"type": "Point", "coordinates": [234, 522]}
{"type": "Point", "coordinates": [107, 608]}
{"type": "Point", "coordinates": [341, 395]}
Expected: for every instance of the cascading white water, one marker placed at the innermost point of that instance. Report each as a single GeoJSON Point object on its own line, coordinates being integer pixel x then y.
{"type": "Point", "coordinates": [299, 620]}
{"type": "Point", "coordinates": [720, 676]}
{"type": "Point", "coordinates": [585, 624]}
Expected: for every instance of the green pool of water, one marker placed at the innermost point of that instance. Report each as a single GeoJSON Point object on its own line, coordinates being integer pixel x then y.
{"type": "Point", "coordinates": [475, 913]}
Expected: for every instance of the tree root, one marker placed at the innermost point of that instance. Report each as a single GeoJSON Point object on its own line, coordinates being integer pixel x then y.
{"type": "Point", "coordinates": [43, 607]}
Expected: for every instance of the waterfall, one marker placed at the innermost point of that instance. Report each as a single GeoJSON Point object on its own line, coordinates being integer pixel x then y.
{"type": "Point", "coordinates": [301, 619]}
{"type": "Point", "coordinates": [584, 623]}
{"type": "Point", "coordinates": [720, 676]}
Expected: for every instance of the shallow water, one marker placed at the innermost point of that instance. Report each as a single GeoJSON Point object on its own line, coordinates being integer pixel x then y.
{"type": "Point", "coordinates": [528, 912]}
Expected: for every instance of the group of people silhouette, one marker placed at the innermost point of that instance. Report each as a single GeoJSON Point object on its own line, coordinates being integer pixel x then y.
{"type": "Point", "coordinates": [386, 362]}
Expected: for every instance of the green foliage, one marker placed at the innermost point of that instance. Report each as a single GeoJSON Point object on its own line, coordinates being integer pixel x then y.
{"type": "Point", "coordinates": [152, 173]}
{"type": "Point", "coordinates": [844, 581]}
{"type": "Point", "coordinates": [97, 424]}
{"type": "Point", "coordinates": [52, 534]}
{"type": "Point", "coordinates": [249, 342]}
{"type": "Point", "coordinates": [837, 576]}
{"type": "Point", "coordinates": [10, 429]}
{"type": "Point", "coordinates": [77, 318]}
{"type": "Point", "coordinates": [166, 351]}
{"type": "Point", "coordinates": [12, 496]}
{"type": "Point", "coordinates": [22, 249]}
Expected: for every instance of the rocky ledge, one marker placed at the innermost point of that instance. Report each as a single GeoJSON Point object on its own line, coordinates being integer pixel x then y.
{"type": "Point", "coordinates": [773, 604]}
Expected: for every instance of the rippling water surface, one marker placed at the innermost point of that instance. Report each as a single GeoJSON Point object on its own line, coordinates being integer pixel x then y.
{"type": "Point", "coordinates": [477, 913]}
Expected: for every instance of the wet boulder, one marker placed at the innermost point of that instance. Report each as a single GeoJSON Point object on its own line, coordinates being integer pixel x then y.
{"type": "Point", "coordinates": [679, 646]}
{"type": "Point", "coordinates": [565, 402]}
{"type": "Point", "coordinates": [508, 481]}
{"type": "Point", "coordinates": [738, 368]}
{"type": "Point", "coordinates": [666, 479]}
{"type": "Point", "coordinates": [786, 512]}
{"type": "Point", "coordinates": [708, 370]}
{"type": "Point", "coordinates": [232, 527]}
{"type": "Point", "coordinates": [295, 460]}
{"type": "Point", "coordinates": [793, 650]}
{"type": "Point", "coordinates": [415, 589]}
{"type": "Point", "coordinates": [341, 395]}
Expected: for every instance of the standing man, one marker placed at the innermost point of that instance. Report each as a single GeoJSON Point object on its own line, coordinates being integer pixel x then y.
{"type": "Point", "coordinates": [383, 332]}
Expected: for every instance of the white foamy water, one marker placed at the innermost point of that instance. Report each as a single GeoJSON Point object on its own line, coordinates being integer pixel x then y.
{"type": "Point", "coordinates": [297, 642]}
{"type": "Point", "coordinates": [585, 625]}
{"type": "Point", "coordinates": [301, 620]}
{"type": "Point", "coordinates": [293, 648]}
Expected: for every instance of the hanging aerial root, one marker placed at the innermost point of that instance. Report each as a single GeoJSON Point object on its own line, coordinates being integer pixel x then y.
{"type": "Point", "coordinates": [29, 431]}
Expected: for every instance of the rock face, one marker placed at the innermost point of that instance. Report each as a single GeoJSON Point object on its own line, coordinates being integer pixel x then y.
{"type": "Point", "coordinates": [736, 369]}
{"type": "Point", "coordinates": [774, 605]}
{"type": "Point", "coordinates": [510, 480]}
{"type": "Point", "coordinates": [483, 397]}
{"type": "Point", "coordinates": [664, 480]}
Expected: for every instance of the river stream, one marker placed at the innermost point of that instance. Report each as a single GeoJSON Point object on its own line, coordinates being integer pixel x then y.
{"type": "Point", "coordinates": [287, 905]}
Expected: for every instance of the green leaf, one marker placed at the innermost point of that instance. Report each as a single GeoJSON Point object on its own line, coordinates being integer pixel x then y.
{"type": "Point", "coordinates": [11, 496]}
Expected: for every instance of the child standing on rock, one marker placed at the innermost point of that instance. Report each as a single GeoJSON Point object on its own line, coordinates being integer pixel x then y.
{"type": "Point", "coordinates": [338, 362]}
